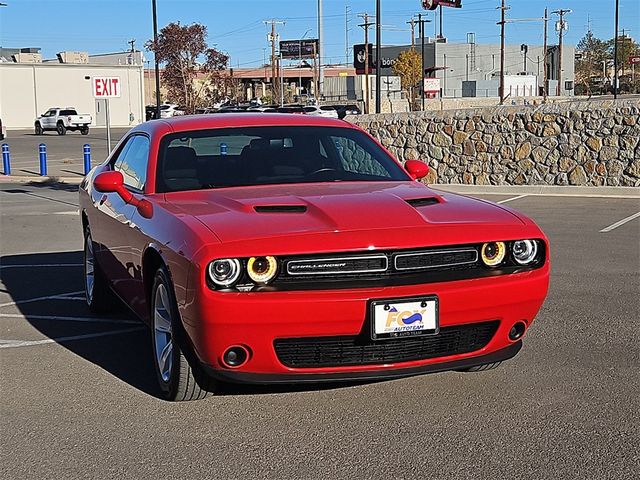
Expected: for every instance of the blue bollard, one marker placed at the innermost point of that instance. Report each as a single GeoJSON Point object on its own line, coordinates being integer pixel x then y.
{"type": "Point", "coordinates": [43, 160]}
{"type": "Point", "coordinates": [6, 159]}
{"type": "Point", "coordinates": [86, 150]}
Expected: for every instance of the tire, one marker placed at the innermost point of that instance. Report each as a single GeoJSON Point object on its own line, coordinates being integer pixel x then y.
{"type": "Point", "coordinates": [84, 131]}
{"type": "Point", "coordinates": [179, 378]}
{"type": "Point", "coordinates": [61, 129]}
{"type": "Point", "coordinates": [482, 368]}
{"type": "Point", "coordinates": [38, 129]}
{"type": "Point", "coordinates": [97, 292]}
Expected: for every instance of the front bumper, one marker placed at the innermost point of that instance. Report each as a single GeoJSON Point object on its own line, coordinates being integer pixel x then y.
{"type": "Point", "coordinates": [215, 321]}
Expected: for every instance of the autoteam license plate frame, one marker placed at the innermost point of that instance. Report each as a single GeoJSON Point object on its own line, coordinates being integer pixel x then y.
{"type": "Point", "coordinates": [395, 302]}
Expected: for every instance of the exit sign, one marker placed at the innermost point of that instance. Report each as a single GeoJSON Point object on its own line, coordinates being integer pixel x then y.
{"type": "Point", "coordinates": [106, 87]}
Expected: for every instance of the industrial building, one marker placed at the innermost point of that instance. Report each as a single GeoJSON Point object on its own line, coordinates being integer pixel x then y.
{"type": "Point", "coordinates": [30, 85]}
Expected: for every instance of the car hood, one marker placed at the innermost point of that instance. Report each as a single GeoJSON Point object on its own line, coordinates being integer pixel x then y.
{"type": "Point", "coordinates": [246, 213]}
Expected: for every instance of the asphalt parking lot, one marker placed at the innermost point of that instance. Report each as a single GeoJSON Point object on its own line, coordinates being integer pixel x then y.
{"type": "Point", "coordinates": [77, 393]}
{"type": "Point", "coordinates": [64, 153]}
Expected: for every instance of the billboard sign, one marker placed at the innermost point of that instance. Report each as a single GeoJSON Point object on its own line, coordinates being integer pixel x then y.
{"type": "Point", "coordinates": [433, 4]}
{"type": "Point", "coordinates": [431, 85]}
{"type": "Point", "coordinates": [299, 48]}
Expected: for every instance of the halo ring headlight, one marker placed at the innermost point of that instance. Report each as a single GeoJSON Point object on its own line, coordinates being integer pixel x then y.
{"type": "Point", "coordinates": [225, 272]}
{"type": "Point", "coordinates": [493, 253]}
{"type": "Point", "coordinates": [525, 251]}
{"type": "Point", "coordinates": [262, 269]}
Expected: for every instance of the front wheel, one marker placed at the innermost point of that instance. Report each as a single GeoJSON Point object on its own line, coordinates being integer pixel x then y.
{"type": "Point", "coordinates": [97, 292]}
{"type": "Point", "coordinates": [61, 129]}
{"type": "Point", "coordinates": [179, 380]}
{"type": "Point", "coordinates": [84, 130]}
{"type": "Point", "coordinates": [38, 129]}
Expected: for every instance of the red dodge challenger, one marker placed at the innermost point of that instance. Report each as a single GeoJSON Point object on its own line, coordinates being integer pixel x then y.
{"type": "Point", "coordinates": [269, 248]}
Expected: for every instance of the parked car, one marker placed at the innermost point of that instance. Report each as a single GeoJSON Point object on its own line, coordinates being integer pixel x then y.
{"type": "Point", "coordinates": [3, 131]}
{"type": "Point", "coordinates": [168, 110]}
{"type": "Point", "coordinates": [324, 111]}
{"type": "Point", "coordinates": [293, 248]}
{"type": "Point", "coordinates": [62, 120]}
{"type": "Point", "coordinates": [344, 110]}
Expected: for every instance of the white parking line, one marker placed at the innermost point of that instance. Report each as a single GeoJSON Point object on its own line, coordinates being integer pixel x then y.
{"type": "Point", "coordinates": [62, 296]}
{"type": "Point", "coordinates": [62, 318]}
{"type": "Point", "coordinates": [43, 265]}
{"type": "Point", "coordinates": [30, 343]}
{"type": "Point", "coordinates": [72, 212]}
{"type": "Point", "coordinates": [511, 199]}
{"type": "Point", "coordinates": [620, 223]}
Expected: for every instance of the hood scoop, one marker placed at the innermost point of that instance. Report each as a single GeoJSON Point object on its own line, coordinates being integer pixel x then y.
{"type": "Point", "coordinates": [280, 208]}
{"type": "Point", "coordinates": [422, 202]}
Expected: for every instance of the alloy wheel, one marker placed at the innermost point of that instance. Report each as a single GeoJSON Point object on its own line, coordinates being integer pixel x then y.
{"type": "Point", "coordinates": [162, 332]}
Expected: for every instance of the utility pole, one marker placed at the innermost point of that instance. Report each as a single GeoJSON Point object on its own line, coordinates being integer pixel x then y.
{"type": "Point", "coordinates": [366, 26]}
{"type": "Point", "coordinates": [346, 35]}
{"type": "Point", "coordinates": [413, 30]}
{"type": "Point", "coordinates": [155, 56]}
{"type": "Point", "coordinates": [320, 51]}
{"type": "Point", "coordinates": [544, 57]}
{"type": "Point", "coordinates": [378, 58]}
{"type": "Point", "coordinates": [503, 9]}
{"type": "Point", "coordinates": [561, 29]}
{"type": "Point", "coordinates": [273, 38]}
{"type": "Point", "coordinates": [440, 36]}
{"type": "Point", "coordinates": [615, 55]}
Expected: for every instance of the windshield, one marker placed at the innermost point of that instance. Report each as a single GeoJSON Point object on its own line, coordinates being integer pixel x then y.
{"type": "Point", "coordinates": [271, 156]}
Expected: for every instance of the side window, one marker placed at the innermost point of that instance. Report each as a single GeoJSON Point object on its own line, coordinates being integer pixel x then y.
{"type": "Point", "coordinates": [132, 162]}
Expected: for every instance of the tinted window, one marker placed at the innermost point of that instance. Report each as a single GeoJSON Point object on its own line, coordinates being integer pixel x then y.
{"type": "Point", "coordinates": [132, 162]}
{"type": "Point", "coordinates": [271, 155]}
{"type": "Point", "coordinates": [68, 112]}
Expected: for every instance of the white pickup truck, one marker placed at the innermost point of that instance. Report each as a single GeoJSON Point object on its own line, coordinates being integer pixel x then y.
{"type": "Point", "coordinates": [61, 120]}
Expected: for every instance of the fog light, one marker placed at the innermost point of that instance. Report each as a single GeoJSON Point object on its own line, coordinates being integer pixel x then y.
{"type": "Point", "coordinates": [235, 356]}
{"type": "Point", "coordinates": [262, 269]}
{"type": "Point", "coordinates": [493, 253]}
{"type": "Point", "coordinates": [524, 251]}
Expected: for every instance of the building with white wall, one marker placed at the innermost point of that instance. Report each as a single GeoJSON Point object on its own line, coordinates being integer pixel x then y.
{"type": "Point", "coordinates": [29, 89]}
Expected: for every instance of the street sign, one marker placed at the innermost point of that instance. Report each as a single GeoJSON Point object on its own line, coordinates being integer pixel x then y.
{"type": "Point", "coordinates": [431, 85]}
{"type": "Point", "coordinates": [106, 87]}
{"type": "Point", "coordinates": [634, 60]}
{"type": "Point", "coordinates": [433, 4]}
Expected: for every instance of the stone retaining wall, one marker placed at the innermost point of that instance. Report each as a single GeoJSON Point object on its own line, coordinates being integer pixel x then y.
{"type": "Point", "coordinates": [590, 143]}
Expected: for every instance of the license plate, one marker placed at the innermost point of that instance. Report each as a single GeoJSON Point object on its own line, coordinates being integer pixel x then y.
{"type": "Point", "coordinates": [404, 317]}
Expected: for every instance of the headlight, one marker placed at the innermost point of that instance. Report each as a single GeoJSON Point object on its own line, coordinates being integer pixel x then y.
{"type": "Point", "coordinates": [225, 272]}
{"type": "Point", "coordinates": [262, 269]}
{"type": "Point", "coordinates": [524, 251]}
{"type": "Point", "coordinates": [493, 253]}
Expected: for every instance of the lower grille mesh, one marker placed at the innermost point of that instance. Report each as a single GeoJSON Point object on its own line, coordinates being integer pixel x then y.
{"type": "Point", "coordinates": [310, 352]}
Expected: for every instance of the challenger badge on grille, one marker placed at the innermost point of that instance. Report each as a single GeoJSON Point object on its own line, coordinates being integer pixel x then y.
{"type": "Point", "coordinates": [329, 266]}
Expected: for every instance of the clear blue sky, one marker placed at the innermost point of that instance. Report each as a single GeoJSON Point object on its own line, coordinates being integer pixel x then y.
{"type": "Point", "coordinates": [236, 26]}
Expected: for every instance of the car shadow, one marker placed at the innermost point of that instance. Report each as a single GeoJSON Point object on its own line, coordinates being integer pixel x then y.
{"type": "Point", "coordinates": [118, 343]}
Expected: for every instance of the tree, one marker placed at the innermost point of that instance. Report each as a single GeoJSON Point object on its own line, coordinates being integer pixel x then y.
{"type": "Point", "coordinates": [184, 52]}
{"type": "Point", "coordinates": [408, 66]}
{"type": "Point", "coordinates": [626, 48]}
{"type": "Point", "coordinates": [593, 52]}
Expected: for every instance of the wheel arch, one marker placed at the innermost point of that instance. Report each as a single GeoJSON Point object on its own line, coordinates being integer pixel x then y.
{"type": "Point", "coordinates": [152, 260]}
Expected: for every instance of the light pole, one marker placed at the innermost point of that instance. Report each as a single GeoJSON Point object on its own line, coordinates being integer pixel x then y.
{"type": "Point", "coordinates": [615, 55]}
{"type": "Point", "coordinates": [378, 58]}
{"type": "Point", "coordinates": [155, 56]}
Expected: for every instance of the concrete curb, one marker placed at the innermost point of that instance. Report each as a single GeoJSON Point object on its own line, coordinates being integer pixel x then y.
{"type": "Point", "coordinates": [37, 179]}
{"type": "Point", "coordinates": [540, 190]}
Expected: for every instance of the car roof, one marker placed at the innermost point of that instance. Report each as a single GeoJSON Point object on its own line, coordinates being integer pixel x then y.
{"type": "Point", "coordinates": [210, 121]}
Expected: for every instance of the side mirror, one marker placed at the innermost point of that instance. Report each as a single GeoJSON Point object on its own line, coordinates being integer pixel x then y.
{"type": "Point", "coordinates": [416, 169]}
{"type": "Point", "coordinates": [111, 181]}
{"type": "Point", "coordinates": [108, 182]}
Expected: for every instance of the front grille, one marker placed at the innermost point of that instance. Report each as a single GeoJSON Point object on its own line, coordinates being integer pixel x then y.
{"type": "Point", "coordinates": [338, 265]}
{"type": "Point", "coordinates": [448, 258]}
{"type": "Point", "coordinates": [310, 352]}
